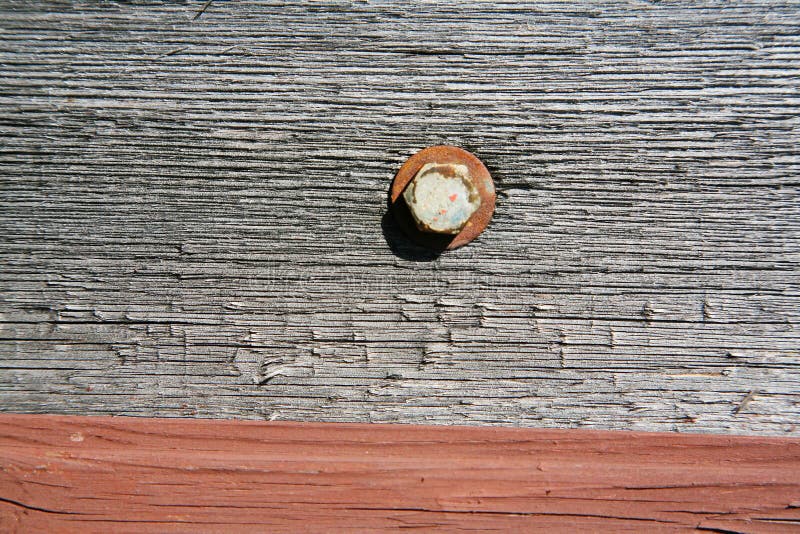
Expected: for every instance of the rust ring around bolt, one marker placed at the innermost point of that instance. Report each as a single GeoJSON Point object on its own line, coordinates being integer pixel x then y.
{"type": "Point", "coordinates": [481, 178]}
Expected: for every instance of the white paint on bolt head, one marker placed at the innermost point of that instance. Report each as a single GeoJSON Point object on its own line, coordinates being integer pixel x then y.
{"type": "Point", "coordinates": [442, 198]}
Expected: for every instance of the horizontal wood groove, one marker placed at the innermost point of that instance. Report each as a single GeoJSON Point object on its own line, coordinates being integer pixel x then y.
{"type": "Point", "coordinates": [101, 474]}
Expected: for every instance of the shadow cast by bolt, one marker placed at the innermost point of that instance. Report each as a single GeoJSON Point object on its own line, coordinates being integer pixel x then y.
{"type": "Point", "coordinates": [402, 246]}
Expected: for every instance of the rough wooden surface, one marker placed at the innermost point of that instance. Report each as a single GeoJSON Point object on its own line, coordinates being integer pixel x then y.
{"type": "Point", "coordinates": [101, 474]}
{"type": "Point", "coordinates": [192, 212]}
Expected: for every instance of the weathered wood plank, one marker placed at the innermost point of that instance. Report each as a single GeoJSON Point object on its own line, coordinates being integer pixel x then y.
{"type": "Point", "coordinates": [101, 474]}
{"type": "Point", "coordinates": [192, 212]}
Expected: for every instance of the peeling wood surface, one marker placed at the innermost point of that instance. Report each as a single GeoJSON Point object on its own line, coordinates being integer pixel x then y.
{"type": "Point", "coordinates": [192, 212]}
{"type": "Point", "coordinates": [103, 474]}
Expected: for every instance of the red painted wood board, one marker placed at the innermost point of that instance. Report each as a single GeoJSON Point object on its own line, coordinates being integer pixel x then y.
{"type": "Point", "coordinates": [103, 474]}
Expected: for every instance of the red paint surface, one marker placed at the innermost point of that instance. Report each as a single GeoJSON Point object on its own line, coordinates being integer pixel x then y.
{"type": "Point", "coordinates": [70, 474]}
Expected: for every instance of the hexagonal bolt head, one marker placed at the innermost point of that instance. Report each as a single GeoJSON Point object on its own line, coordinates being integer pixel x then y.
{"type": "Point", "coordinates": [442, 198]}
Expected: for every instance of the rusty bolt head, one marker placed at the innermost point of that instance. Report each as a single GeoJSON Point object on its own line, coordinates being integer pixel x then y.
{"type": "Point", "coordinates": [443, 197]}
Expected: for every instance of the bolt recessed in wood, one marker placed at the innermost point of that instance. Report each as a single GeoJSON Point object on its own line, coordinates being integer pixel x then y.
{"type": "Point", "coordinates": [443, 197]}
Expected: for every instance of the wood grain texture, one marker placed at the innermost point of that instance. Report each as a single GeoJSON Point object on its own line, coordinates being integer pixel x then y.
{"type": "Point", "coordinates": [102, 474]}
{"type": "Point", "coordinates": [193, 212]}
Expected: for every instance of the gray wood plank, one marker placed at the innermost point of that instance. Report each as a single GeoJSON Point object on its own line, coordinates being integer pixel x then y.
{"type": "Point", "coordinates": [193, 212]}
